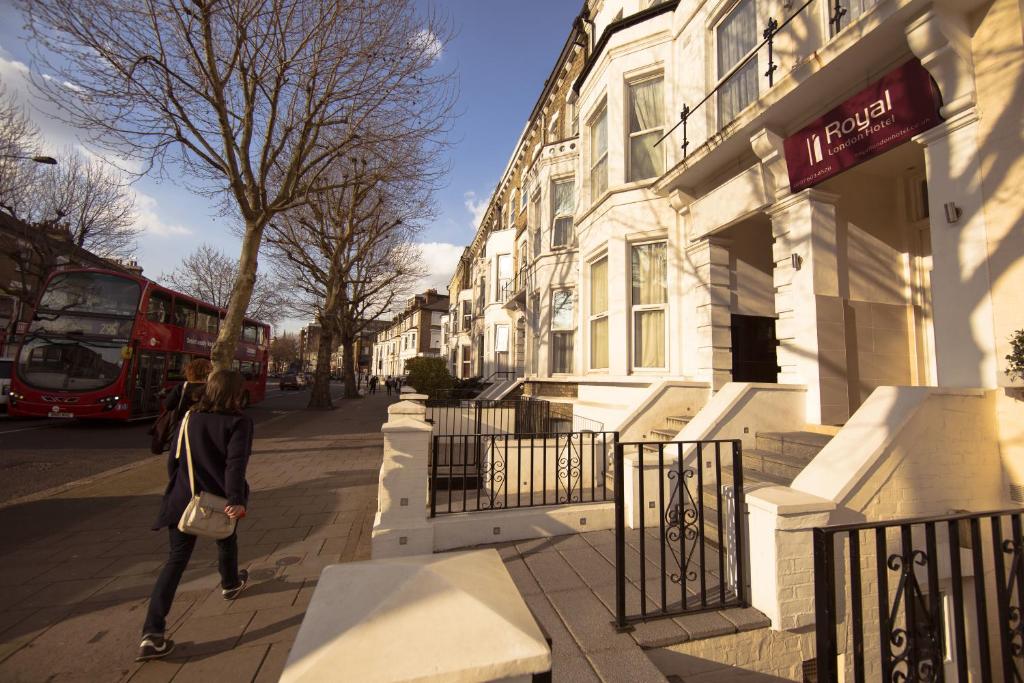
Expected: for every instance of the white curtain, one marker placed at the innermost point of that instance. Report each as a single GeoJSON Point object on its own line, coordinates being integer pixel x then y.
{"type": "Point", "coordinates": [599, 343]}
{"type": "Point", "coordinates": [646, 113]}
{"type": "Point", "coordinates": [650, 268]}
{"type": "Point", "coordinates": [737, 36]}
{"type": "Point", "coordinates": [649, 334]}
{"type": "Point", "coordinates": [599, 287]}
{"type": "Point", "coordinates": [647, 110]}
{"type": "Point", "coordinates": [598, 152]}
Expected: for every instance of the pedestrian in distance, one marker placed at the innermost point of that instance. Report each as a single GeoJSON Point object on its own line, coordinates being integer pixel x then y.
{"type": "Point", "coordinates": [387, 384]}
{"type": "Point", "coordinates": [373, 384]}
{"type": "Point", "coordinates": [178, 401]}
{"type": "Point", "coordinates": [218, 441]}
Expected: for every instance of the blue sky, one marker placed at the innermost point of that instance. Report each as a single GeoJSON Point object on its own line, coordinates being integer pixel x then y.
{"type": "Point", "coordinates": [502, 52]}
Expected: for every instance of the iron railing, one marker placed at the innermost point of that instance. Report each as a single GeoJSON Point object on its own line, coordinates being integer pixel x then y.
{"type": "Point", "coordinates": [475, 472]}
{"type": "Point", "coordinates": [929, 597]}
{"type": "Point", "coordinates": [837, 10]}
{"type": "Point", "coordinates": [576, 423]}
{"type": "Point", "coordinates": [518, 284]}
{"type": "Point", "coordinates": [686, 528]}
{"type": "Point", "coordinates": [485, 416]}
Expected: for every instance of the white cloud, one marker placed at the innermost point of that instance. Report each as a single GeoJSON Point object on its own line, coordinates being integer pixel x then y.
{"type": "Point", "coordinates": [430, 43]}
{"type": "Point", "coordinates": [148, 218]}
{"type": "Point", "coordinates": [476, 207]}
{"type": "Point", "coordinates": [441, 259]}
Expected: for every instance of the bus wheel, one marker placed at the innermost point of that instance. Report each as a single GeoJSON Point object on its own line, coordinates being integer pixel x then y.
{"type": "Point", "coordinates": [245, 400]}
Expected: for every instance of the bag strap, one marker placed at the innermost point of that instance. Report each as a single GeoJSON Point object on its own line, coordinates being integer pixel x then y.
{"type": "Point", "coordinates": [183, 436]}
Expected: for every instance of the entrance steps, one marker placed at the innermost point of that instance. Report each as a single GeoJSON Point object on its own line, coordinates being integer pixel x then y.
{"type": "Point", "coordinates": [673, 425]}
{"type": "Point", "coordinates": [776, 461]}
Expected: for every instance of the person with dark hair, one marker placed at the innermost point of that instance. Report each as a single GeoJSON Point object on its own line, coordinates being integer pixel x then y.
{"type": "Point", "coordinates": [178, 401]}
{"type": "Point", "coordinates": [373, 384]}
{"type": "Point", "coordinates": [219, 439]}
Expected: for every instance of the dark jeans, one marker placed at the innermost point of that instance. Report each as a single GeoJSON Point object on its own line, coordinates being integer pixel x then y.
{"type": "Point", "coordinates": [167, 584]}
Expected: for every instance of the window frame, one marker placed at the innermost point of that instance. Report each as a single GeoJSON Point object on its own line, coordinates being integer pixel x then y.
{"type": "Point", "coordinates": [555, 217]}
{"type": "Point", "coordinates": [595, 317]}
{"type": "Point", "coordinates": [635, 308]}
{"type": "Point", "coordinates": [560, 332]}
{"type": "Point", "coordinates": [727, 11]}
{"type": "Point", "coordinates": [630, 135]}
{"type": "Point", "coordinates": [600, 112]}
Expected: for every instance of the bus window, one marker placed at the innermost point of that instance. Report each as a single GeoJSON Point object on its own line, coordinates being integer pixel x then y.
{"type": "Point", "coordinates": [158, 309]}
{"type": "Point", "coordinates": [176, 366]}
{"type": "Point", "coordinates": [185, 314]}
{"type": "Point", "coordinates": [250, 333]}
{"type": "Point", "coordinates": [249, 370]}
{"type": "Point", "coordinates": [206, 321]}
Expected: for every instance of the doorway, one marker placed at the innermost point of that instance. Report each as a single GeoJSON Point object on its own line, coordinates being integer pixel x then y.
{"type": "Point", "coordinates": [149, 380]}
{"type": "Point", "coordinates": [754, 349]}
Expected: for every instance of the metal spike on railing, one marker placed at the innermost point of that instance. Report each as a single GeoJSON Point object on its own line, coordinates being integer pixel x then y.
{"type": "Point", "coordinates": [837, 16]}
{"type": "Point", "coordinates": [769, 35]}
{"type": "Point", "coordinates": [684, 115]}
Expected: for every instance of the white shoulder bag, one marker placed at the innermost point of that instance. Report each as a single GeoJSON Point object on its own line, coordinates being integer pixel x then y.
{"type": "Point", "coordinates": [204, 515]}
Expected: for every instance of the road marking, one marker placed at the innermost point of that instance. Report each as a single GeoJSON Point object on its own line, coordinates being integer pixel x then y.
{"type": "Point", "coordinates": [29, 429]}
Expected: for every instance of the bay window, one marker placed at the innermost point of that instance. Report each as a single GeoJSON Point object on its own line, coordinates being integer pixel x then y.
{"type": "Point", "coordinates": [646, 121]}
{"type": "Point", "coordinates": [599, 154]}
{"type": "Point", "coordinates": [563, 203]}
{"type": "Point", "coordinates": [504, 274]}
{"type": "Point", "coordinates": [649, 270]}
{"type": "Point", "coordinates": [537, 241]}
{"type": "Point", "coordinates": [854, 9]}
{"type": "Point", "coordinates": [736, 37]}
{"type": "Point", "coordinates": [562, 331]}
{"type": "Point", "coordinates": [599, 314]}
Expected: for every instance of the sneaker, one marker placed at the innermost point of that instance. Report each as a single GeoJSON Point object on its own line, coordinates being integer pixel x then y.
{"type": "Point", "coordinates": [154, 647]}
{"type": "Point", "coordinates": [232, 593]}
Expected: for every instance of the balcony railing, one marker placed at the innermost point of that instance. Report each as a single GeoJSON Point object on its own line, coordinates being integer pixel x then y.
{"type": "Point", "coordinates": [839, 11]}
{"type": "Point", "coordinates": [516, 288]}
{"type": "Point", "coordinates": [920, 599]}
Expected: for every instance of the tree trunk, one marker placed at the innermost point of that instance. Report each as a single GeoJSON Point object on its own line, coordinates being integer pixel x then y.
{"type": "Point", "coordinates": [223, 352]}
{"type": "Point", "coordinates": [348, 373]}
{"type": "Point", "coordinates": [321, 396]}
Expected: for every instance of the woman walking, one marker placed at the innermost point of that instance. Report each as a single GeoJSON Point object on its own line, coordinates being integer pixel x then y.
{"type": "Point", "coordinates": [219, 439]}
{"type": "Point", "coordinates": [178, 401]}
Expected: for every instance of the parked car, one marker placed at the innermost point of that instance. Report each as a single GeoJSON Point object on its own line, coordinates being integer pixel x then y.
{"type": "Point", "coordinates": [289, 380]}
{"type": "Point", "coordinates": [6, 366]}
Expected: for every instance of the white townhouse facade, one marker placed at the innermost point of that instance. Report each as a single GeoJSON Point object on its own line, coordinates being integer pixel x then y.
{"type": "Point", "coordinates": [415, 332]}
{"type": "Point", "coordinates": [652, 250]}
{"type": "Point", "coordinates": [735, 219]}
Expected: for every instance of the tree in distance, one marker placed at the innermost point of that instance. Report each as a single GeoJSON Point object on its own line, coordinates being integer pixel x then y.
{"type": "Point", "coordinates": [209, 274]}
{"type": "Point", "coordinates": [249, 102]}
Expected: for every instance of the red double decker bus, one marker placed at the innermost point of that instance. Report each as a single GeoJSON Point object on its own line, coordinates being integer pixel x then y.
{"type": "Point", "coordinates": [104, 344]}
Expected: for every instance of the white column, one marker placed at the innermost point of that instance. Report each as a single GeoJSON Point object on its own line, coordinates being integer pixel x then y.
{"type": "Point", "coordinates": [965, 345]}
{"type": "Point", "coordinates": [400, 526]}
{"type": "Point", "coordinates": [709, 259]}
{"type": "Point", "coordinates": [810, 329]}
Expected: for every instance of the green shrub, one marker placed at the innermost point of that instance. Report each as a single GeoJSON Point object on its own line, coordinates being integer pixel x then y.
{"type": "Point", "coordinates": [428, 375]}
{"type": "Point", "coordinates": [1015, 361]}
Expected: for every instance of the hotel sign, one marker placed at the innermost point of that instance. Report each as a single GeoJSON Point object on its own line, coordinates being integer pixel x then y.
{"type": "Point", "coordinates": [886, 114]}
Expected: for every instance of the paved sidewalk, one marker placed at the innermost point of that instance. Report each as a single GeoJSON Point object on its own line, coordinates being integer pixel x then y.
{"type": "Point", "coordinates": [76, 568]}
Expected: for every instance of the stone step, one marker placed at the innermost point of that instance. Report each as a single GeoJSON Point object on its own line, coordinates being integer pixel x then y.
{"type": "Point", "coordinates": [677, 422]}
{"type": "Point", "coordinates": [663, 434]}
{"type": "Point", "coordinates": [781, 468]}
{"type": "Point", "coordinates": [802, 443]}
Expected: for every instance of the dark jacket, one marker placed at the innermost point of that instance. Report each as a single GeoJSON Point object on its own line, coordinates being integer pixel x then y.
{"type": "Point", "coordinates": [221, 445]}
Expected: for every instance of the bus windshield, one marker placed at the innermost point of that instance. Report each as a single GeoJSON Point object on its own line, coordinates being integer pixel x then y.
{"type": "Point", "coordinates": [93, 293]}
{"type": "Point", "coordinates": [68, 364]}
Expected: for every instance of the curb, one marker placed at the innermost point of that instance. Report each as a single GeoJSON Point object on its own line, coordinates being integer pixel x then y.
{"type": "Point", "coordinates": [63, 488]}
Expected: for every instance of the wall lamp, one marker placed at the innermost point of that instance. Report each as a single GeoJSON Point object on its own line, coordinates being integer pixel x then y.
{"type": "Point", "coordinates": [953, 212]}
{"type": "Point", "coordinates": [796, 260]}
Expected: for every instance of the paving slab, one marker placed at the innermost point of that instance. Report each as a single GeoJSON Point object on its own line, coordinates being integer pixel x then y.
{"type": "Point", "coordinates": [78, 582]}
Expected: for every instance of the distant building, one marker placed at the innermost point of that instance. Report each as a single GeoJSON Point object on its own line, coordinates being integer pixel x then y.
{"type": "Point", "coordinates": [413, 333]}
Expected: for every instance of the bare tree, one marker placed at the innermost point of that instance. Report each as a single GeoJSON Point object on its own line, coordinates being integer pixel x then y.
{"type": "Point", "coordinates": [209, 274]}
{"type": "Point", "coordinates": [19, 137]}
{"type": "Point", "coordinates": [351, 257]}
{"type": "Point", "coordinates": [252, 101]}
{"type": "Point", "coordinates": [284, 350]}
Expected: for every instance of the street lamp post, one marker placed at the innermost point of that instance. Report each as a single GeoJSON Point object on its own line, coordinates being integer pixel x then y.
{"type": "Point", "coordinates": [39, 159]}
